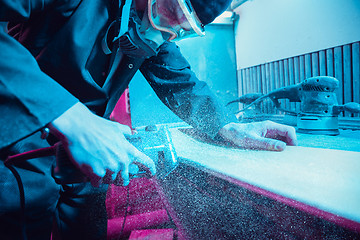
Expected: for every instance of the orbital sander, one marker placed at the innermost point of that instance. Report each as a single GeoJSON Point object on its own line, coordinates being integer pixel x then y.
{"type": "Point", "coordinates": [319, 108]}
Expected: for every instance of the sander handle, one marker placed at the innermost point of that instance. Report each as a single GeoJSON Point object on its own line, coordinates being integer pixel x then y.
{"type": "Point", "coordinates": [352, 107]}
{"type": "Point", "coordinates": [247, 98]}
{"type": "Point", "coordinates": [290, 92]}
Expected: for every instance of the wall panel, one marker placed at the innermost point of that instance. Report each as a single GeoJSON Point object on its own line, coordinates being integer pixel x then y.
{"type": "Point", "coordinates": [355, 50]}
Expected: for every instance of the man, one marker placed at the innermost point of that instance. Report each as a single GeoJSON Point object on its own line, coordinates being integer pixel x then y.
{"type": "Point", "coordinates": [63, 69]}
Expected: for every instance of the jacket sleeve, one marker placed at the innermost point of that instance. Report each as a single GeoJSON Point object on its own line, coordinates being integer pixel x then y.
{"type": "Point", "coordinates": [20, 10]}
{"type": "Point", "coordinates": [171, 77]}
{"type": "Point", "coordinates": [29, 99]}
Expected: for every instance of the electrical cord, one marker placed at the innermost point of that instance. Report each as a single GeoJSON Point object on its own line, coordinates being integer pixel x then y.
{"type": "Point", "coordinates": [22, 197]}
{"type": "Point", "coordinates": [23, 157]}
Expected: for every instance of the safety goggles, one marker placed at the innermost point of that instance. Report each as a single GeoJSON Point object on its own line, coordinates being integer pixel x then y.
{"type": "Point", "coordinates": [176, 17]}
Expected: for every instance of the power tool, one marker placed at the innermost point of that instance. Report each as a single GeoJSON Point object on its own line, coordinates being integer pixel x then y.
{"type": "Point", "coordinates": [156, 143]}
{"type": "Point", "coordinates": [319, 107]}
{"type": "Point", "coordinates": [153, 141]}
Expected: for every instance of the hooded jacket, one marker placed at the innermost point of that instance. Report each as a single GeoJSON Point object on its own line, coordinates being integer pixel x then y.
{"type": "Point", "coordinates": [54, 59]}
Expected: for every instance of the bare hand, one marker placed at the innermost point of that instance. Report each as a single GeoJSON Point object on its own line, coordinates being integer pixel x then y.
{"type": "Point", "coordinates": [265, 135]}
{"type": "Point", "coordinates": [97, 145]}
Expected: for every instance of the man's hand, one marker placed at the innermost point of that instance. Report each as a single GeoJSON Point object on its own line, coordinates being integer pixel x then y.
{"type": "Point", "coordinates": [98, 145]}
{"type": "Point", "coordinates": [265, 135]}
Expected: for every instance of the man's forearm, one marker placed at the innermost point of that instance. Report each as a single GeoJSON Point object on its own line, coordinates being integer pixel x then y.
{"type": "Point", "coordinates": [31, 99]}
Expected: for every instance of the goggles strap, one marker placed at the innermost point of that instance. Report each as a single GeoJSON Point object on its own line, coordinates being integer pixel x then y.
{"type": "Point", "coordinates": [125, 16]}
{"type": "Point", "coordinates": [124, 26]}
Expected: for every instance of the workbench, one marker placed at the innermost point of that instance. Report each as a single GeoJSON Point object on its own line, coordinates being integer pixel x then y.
{"type": "Point", "coordinates": [308, 191]}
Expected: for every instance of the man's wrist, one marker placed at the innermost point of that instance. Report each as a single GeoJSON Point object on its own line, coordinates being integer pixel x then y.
{"type": "Point", "coordinates": [65, 123]}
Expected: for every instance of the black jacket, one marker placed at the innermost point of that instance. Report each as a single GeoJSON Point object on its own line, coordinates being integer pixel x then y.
{"type": "Point", "coordinates": [60, 40]}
